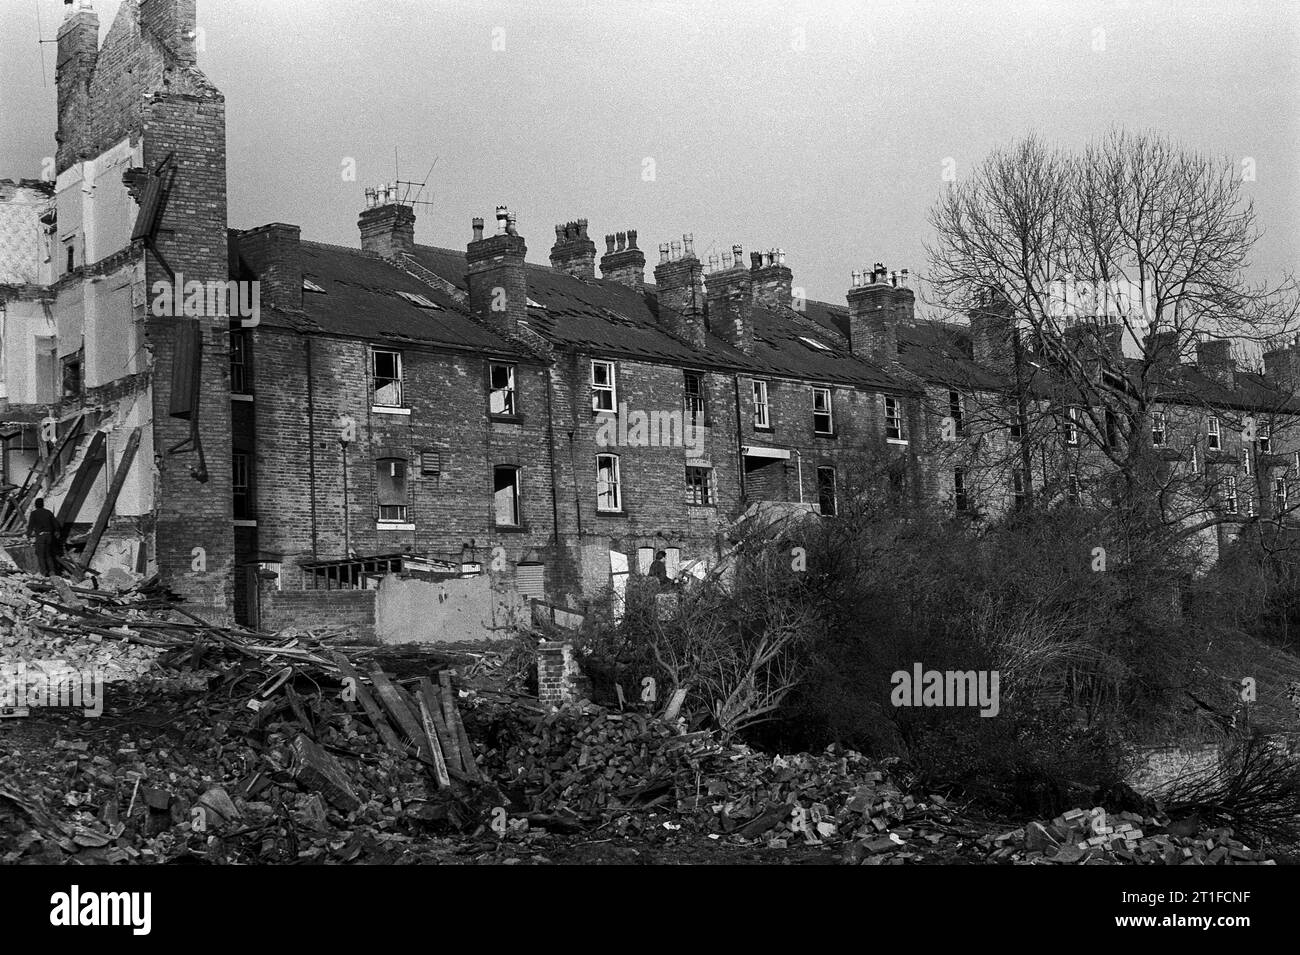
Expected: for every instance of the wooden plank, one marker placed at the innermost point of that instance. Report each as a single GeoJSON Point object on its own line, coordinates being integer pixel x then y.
{"type": "Point", "coordinates": [457, 727]}
{"type": "Point", "coordinates": [450, 745]}
{"type": "Point", "coordinates": [36, 476]}
{"type": "Point", "coordinates": [398, 708]}
{"type": "Point", "coordinates": [87, 474]}
{"type": "Point", "coordinates": [368, 704]}
{"type": "Point", "coordinates": [114, 489]}
{"type": "Point", "coordinates": [431, 738]}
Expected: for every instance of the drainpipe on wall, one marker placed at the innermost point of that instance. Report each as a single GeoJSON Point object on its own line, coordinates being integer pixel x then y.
{"type": "Point", "coordinates": [347, 529]}
{"type": "Point", "coordinates": [740, 454]}
{"type": "Point", "coordinates": [798, 460]}
{"type": "Point", "coordinates": [311, 450]}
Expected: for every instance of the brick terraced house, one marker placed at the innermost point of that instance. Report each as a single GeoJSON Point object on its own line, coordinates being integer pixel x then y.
{"type": "Point", "coordinates": [418, 441]}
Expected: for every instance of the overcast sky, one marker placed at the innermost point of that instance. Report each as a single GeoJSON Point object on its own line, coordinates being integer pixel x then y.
{"type": "Point", "coordinates": [821, 127]}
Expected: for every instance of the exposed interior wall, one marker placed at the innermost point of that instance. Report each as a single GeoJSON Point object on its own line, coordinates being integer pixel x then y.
{"type": "Point", "coordinates": [409, 610]}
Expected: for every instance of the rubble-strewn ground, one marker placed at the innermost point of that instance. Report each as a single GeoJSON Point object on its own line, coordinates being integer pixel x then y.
{"type": "Point", "coordinates": [216, 745]}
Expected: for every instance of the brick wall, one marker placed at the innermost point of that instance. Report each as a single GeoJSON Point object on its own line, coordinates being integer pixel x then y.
{"type": "Point", "coordinates": [353, 610]}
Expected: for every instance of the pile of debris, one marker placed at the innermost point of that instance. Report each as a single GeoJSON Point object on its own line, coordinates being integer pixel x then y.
{"type": "Point", "coordinates": [1091, 836]}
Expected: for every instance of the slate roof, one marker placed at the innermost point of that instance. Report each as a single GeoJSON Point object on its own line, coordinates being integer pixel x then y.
{"type": "Point", "coordinates": [605, 317]}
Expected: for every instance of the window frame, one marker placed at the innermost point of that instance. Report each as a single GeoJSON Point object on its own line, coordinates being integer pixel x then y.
{"type": "Point", "coordinates": [242, 492]}
{"type": "Point", "coordinates": [1019, 492]}
{"type": "Point", "coordinates": [511, 389]}
{"type": "Point", "coordinates": [239, 342]}
{"type": "Point", "coordinates": [1264, 438]}
{"type": "Point", "coordinates": [396, 513]}
{"type": "Point", "coordinates": [700, 494]}
{"type": "Point", "coordinates": [894, 419]}
{"type": "Point", "coordinates": [828, 413]}
{"type": "Point", "coordinates": [758, 384]}
{"type": "Point", "coordinates": [616, 485]}
{"type": "Point", "coordinates": [695, 406]}
{"type": "Point", "coordinates": [1213, 440]}
{"type": "Point", "coordinates": [1072, 426]}
{"type": "Point", "coordinates": [1281, 494]}
{"type": "Point", "coordinates": [609, 388]}
{"type": "Point", "coordinates": [1159, 425]}
{"type": "Point", "coordinates": [956, 409]}
{"type": "Point", "coordinates": [375, 377]}
{"type": "Point", "coordinates": [1230, 500]}
{"type": "Point", "coordinates": [823, 469]}
{"type": "Point", "coordinates": [516, 499]}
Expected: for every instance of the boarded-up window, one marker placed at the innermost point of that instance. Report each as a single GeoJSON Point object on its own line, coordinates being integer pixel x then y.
{"type": "Point", "coordinates": [530, 580]}
{"type": "Point", "coordinates": [391, 488]}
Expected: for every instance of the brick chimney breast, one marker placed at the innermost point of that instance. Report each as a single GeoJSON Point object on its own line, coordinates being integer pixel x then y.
{"type": "Point", "coordinates": [772, 279]}
{"type": "Point", "coordinates": [877, 307]}
{"type": "Point", "coordinates": [78, 51]}
{"type": "Point", "coordinates": [1215, 361]}
{"type": "Point", "coordinates": [497, 276]}
{"type": "Point", "coordinates": [623, 262]}
{"type": "Point", "coordinates": [679, 278]}
{"type": "Point", "coordinates": [274, 253]}
{"type": "Point", "coordinates": [1282, 367]}
{"type": "Point", "coordinates": [574, 252]}
{"type": "Point", "coordinates": [173, 23]}
{"type": "Point", "coordinates": [992, 332]}
{"type": "Point", "coordinates": [387, 226]}
{"type": "Point", "coordinates": [729, 295]}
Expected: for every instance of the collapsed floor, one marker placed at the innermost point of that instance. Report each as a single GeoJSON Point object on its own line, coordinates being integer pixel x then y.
{"type": "Point", "coordinates": [220, 745]}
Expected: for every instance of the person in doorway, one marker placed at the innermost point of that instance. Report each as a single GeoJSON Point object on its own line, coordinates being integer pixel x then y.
{"type": "Point", "coordinates": [43, 529]}
{"type": "Point", "coordinates": [659, 570]}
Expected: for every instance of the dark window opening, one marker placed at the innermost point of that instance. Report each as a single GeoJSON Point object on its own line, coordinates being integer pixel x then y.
{"type": "Point", "coordinates": [505, 496]}
{"type": "Point", "coordinates": [391, 490]}
{"type": "Point", "coordinates": [826, 491]}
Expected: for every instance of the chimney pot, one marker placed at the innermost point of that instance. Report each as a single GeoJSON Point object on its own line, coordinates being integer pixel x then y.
{"type": "Point", "coordinates": [622, 241]}
{"type": "Point", "coordinates": [756, 260]}
{"type": "Point", "coordinates": [477, 225]}
{"type": "Point", "coordinates": [663, 251]}
{"type": "Point", "coordinates": [631, 238]}
{"type": "Point", "coordinates": [688, 243]}
{"type": "Point", "coordinates": [677, 251]}
{"type": "Point", "coordinates": [609, 243]}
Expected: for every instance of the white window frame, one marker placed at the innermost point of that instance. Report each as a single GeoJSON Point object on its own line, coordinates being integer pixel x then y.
{"type": "Point", "coordinates": [608, 387]}
{"type": "Point", "coordinates": [609, 493]}
{"type": "Point", "coordinates": [1072, 426]}
{"type": "Point", "coordinates": [762, 410]}
{"type": "Point", "coordinates": [402, 515]}
{"type": "Point", "coordinates": [1230, 501]}
{"type": "Point", "coordinates": [828, 411]}
{"type": "Point", "coordinates": [960, 493]}
{"type": "Point", "coordinates": [509, 390]}
{"type": "Point", "coordinates": [894, 420]}
{"type": "Point", "coordinates": [957, 409]}
{"type": "Point", "coordinates": [399, 381]}
{"type": "Point", "coordinates": [1212, 434]}
{"type": "Point", "coordinates": [1158, 426]}
{"type": "Point", "coordinates": [1074, 490]}
{"type": "Point", "coordinates": [1280, 494]}
{"type": "Point", "coordinates": [694, 405]}
{"type": "Point", "coordinates": [1245, 460]}
{"type": "Point", "coordinates": [1265, 439]}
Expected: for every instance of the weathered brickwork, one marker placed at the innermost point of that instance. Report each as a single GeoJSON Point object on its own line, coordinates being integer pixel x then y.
{"type": "Point", "coordinates": [351, 610]}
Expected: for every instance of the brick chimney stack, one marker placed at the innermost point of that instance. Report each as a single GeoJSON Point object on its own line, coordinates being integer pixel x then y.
{"type": "Point", "coordinates": [174, 24]}
{"type": "Point", "coordinates": [387, 226]}
{"type": "Point", "coordinates": [573, 251]}
{"type": "Point", "coordinates": [679, 277]}
{"type": "Point", "coordinates": [78, 49]}
{"type": "Point", "coordinates": [495, 271]}
{"type": "Point", "coordinates": [878, 303]}
{"type": "Point", "coordinates": [623, 262]}
{"type": "Point", "coordinates": [1215, 361]}
{"type": "Point", "coordinates": [729, 294]}
{"type": "Point", "coordinates": [1282, 367]}
{"type": "Point", "coordinates": [274, 253]}
{"type": "Point", "coordinates": [772, 279]}
{"type": "Point", "coordinates": [992, 331]}
{"type": "Point", "coordinates": [1162, 349]}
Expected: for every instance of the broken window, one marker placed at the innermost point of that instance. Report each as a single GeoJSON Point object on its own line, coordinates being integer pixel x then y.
{"type": "Point", "coordinates": [1230, 494]}
{"type": "Point", "coordinates": [241, 485]}
{"type": "Point", "coordinates": [240, 381]}
{"type": "Point", "coordinates": [1279, 495]}
{"type": "Point", "coordinates": [72, 380]}
{"type": "Point", "coordinates": [1072, 426]}
{"type": "Point", "coordinates": [955, 409]}
{"type": "Point", "coordinates": [823, 416]}
{"type": "Point", "coordinates": [826, 491]}
{"type": "Point", "coordinates": [1019, 488]}
{"type": "Point", "coordinates": [501, 399]}
{"type": "Point", "coordinates": [959, 497]}
{"type": "Point", "coordinates": [609, 492]}
{"type": "Point", "coordinates": [893, 418]}
{"type": "Point", "coordinates": [505, 495]}
{"type": "Point", "coordinates": [391, 489]}
{"type": "Point", "coordinates": [386, 370]}
{"type": "Point", "coordinates": [604, 396]}
{"type": "Point", "coordinates": [761, 418]}
{"type": "Point", "coordinates": [699, 485]}
{"type": "Point", "coordinates": [1265, 439]}
{"type": "Point", "coordinates": [1158, 429]}
{"type": "Point", "coordinates": [694, 398]}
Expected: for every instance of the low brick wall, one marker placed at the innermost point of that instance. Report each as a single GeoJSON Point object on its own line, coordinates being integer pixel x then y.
{"type": "Point", "coordinates": [304, 609]}
{"type": "Point", "coordinates": [1157, 766]}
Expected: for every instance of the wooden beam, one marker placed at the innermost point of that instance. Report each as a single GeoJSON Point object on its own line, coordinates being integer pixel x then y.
{"type": "Point", "coordinates": [110, 502]}
{"type": "Point", "coordinates": [87, 474]}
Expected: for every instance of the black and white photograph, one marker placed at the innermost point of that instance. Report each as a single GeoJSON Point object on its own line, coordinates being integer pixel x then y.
{"type": "Point", "coordinates": [840, 433]}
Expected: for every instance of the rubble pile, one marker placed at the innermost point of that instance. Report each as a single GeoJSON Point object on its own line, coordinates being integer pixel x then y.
{"type": "Point", "coordinates": [1082, 836]}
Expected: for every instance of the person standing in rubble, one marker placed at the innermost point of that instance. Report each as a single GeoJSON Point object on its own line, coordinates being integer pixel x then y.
{"type": "Point", "coordinates": [43, 529]}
